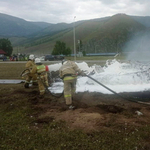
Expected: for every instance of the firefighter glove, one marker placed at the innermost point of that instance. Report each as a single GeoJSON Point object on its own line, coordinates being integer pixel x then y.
{"type": "Point", "coordinates": [82, 73]}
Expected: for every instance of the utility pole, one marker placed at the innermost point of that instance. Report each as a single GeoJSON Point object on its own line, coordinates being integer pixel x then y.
{"type": "Point", "coordinates": [79, 44]}
{"type": "Point", "coordinates": [74, 38]}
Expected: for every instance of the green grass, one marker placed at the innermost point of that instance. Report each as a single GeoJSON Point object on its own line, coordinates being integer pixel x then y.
{"type": "Point", "coordinates": [17, 68]}
{"type": "Point", "coordinates": [11, 70]}
{"type": "Point", "coordinates": [121, 57]}
{"type": "Point", "coordinates": [19, 130]}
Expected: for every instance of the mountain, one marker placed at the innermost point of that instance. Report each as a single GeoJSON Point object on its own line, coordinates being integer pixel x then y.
{"type": "Point", "coordinates": [108, 34]}
{"type": "Point", "coordinates": [42, 25]}
{"type": "Point", "coordinates": [13, 26]}
{"type": "Point", "coordinates": [145, 20]}
{"type": "Point", "coordinates": [97, 35]}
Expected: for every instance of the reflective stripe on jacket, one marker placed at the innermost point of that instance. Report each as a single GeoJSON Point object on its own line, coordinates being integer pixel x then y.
{"type": "Point", "coordinates": [68, 95]}
{"type": "Point", "coordinates": [69, 78]}
{"type": "Point", "coordinates": [41, 68]}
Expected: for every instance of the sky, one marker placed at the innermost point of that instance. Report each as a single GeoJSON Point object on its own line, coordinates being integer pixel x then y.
{"type": "Point", "coordinates": [68, 11]}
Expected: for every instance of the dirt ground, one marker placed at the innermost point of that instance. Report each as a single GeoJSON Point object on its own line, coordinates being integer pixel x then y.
{"type": "Point", "coordinates": [94, 111]}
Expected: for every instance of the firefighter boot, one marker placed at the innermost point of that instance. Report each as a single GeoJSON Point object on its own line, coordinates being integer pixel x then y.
{"type": "Point", "coordinates": [26, 85]}
{"type": "Point", "coordinates": [34, 83]}
{"type": "Point", "coordinates": [71, 107]}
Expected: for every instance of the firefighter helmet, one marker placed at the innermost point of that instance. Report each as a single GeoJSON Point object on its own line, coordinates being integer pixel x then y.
{"type": "Point", "coordinates": [31, 57]}
{"type": "Point", "coordinates": [37, 60]}
{"type": "Point", "coordinates": [63, 61]}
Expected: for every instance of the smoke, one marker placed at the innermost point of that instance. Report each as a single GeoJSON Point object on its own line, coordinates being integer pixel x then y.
{"type": "Point", "coordinates": [138, 48]}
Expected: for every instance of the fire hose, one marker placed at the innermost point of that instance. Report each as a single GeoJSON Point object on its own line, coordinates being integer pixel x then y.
{"type": "Point", "coordinates": [126, 98]}
{"type": "Point", "coordinates": [47, 89]}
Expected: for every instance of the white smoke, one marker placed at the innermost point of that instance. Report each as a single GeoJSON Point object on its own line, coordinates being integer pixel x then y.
{"type": "Point", "coordinates": [138, 48]}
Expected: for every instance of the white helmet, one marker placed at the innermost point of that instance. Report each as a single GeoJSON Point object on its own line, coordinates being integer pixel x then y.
{"type": "Point", "coordinates": [37, 60]}
{"type": "Point", "coordinates": [64, 60]}
{"type": "Point", "coordinates": [31, 57]}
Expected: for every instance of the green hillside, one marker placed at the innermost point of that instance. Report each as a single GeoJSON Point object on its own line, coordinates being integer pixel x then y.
{"type": "Point", "coordinates": [106, 35]}
{"type": "Point", "coordinates": [11, 26]}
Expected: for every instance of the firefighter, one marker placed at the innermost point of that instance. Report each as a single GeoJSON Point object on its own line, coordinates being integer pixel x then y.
{"type": "Point", "coordinates": [68, 72]}
{"type": "Point", "coordinates": [41, 71]}
{"type": "Point", "coordinates": [30, 76]}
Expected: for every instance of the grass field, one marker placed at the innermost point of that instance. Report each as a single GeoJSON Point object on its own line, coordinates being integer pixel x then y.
{"type": "Point", "coordinates": [17, 68]}
{"type": "Point", "coordinates": [26, 125]}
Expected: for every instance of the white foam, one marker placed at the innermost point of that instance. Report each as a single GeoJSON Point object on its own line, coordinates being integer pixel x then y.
{"type": "Point", "coordinates": [120, 77]}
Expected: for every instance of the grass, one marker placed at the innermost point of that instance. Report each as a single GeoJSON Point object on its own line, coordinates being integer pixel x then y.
{"type": "Point", "coordinates": [20, 129]}
{"type": "Point", "coordinates": [17, 68]}
{"type": "Point", "coordinates": [11, 70]}
{"type": "Point", "coordinates": [104, 58]}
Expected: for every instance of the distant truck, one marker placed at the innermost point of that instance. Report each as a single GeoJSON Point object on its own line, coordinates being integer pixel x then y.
{"type": "Point", "coordinates": [53, 57]}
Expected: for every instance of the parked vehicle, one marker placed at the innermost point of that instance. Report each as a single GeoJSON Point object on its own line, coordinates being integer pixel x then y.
{"type": "Point", "coordinates": [42, 58]}
{"type": "Point", "coordinates": [49, 57]}
{"type": "Point", "coordinates": [59, 57]}
{"type": "Point", "coordinates": [1, 56]}
{"type": "Point", "coordinates": [53, 57]}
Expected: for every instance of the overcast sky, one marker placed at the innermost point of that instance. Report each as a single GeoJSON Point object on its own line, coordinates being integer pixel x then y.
{"type": "Point", "coordinates": [57, 11]}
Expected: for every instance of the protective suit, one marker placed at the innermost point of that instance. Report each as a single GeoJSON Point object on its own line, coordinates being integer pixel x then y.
{"type": "Point", "coordinates": [68, 72]}
{"type": "Point", "coordinates": [41, 71]}
{"type": "Point", "coordinates": [30, 76]}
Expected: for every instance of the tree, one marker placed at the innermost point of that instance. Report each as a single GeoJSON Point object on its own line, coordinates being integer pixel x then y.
{"type": "Point", "coordinates": [79, 46]}
{"type": "Point", "coordinates": [6, 46]}
{"type": "Point", "coordinates": [67, 51]}
{"type": "Point", "coordinates": [84, 53]}
{"type": "Point", "coordinates": [60, 48]}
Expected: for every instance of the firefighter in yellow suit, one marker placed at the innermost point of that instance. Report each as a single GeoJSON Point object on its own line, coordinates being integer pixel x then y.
{"type": "Point", "coordinates": [68, 72]}
{"type": "Point", "coordinates": [41, 71]}
{"type": "Point", "coordinates": [30, 76]}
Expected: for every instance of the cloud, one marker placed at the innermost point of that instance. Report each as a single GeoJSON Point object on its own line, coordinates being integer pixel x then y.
{"type": "Point", "coordinates": [56, 11]}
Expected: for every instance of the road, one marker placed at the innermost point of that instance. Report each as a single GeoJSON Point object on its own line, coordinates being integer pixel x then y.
{"type": "Point", "coordinates": [88, 61]}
